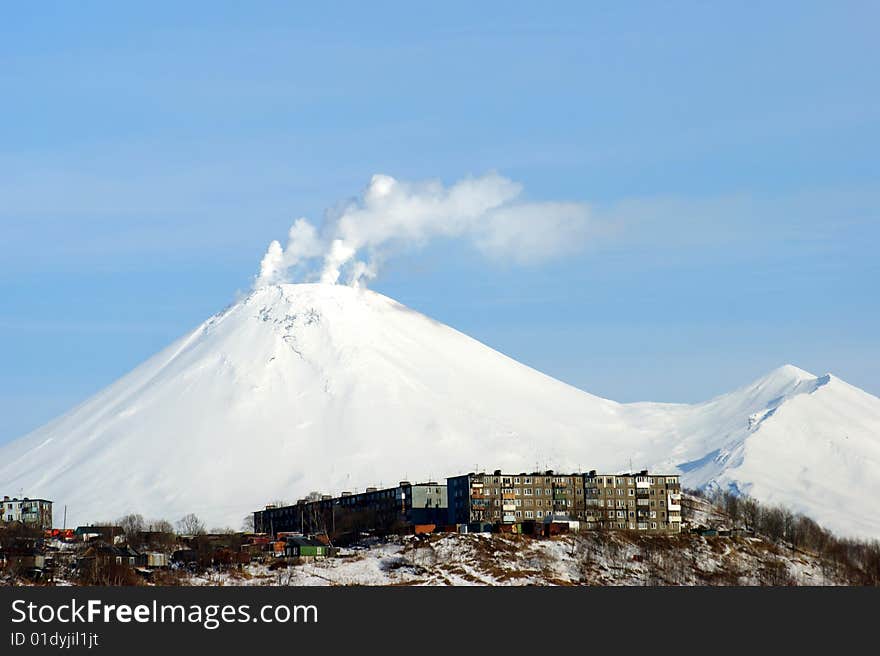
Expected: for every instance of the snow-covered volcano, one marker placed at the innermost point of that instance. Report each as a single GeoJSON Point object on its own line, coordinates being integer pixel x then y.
{"type": "Point", "coordinates": [326, 387]}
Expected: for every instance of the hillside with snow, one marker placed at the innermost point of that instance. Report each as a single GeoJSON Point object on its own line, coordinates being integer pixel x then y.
{"type": "Point", "coordinates": [326, 387]}
{"type": "Point", "coordinates": [609, 558]}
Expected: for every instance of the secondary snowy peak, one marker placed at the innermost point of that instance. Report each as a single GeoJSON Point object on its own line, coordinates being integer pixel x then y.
{"type": "Point", "coordinates": [786, 374]}
{"type": "Point", "coordinates": [769, 389]}
{"type": "Point", "coordinates": [818, 451]}
{"type": "Point", "coordinates": [784, 380]}
{"type": "Point", "coordinates": [309, 387]}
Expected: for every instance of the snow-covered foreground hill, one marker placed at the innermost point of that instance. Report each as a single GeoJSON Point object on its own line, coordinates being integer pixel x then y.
{"type": "Point", "coordinates": [325, 387]}
{"type": "Point", "coordinates": [590, 559]}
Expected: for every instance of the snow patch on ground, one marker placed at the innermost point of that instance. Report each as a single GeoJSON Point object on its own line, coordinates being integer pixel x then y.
{"type": "Point", "coordinates": [507, 560]}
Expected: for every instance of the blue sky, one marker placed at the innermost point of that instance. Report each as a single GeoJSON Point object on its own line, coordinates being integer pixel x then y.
{"type": "Point", "coordinates": [149, 154]}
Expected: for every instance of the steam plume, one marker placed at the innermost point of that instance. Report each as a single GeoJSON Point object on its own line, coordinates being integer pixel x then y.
{"type": "Point", "coordinates": [392, 215]}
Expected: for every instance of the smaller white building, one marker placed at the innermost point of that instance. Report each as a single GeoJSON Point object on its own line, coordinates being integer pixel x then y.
{"type": "Point", "coordinates": [32, 512]}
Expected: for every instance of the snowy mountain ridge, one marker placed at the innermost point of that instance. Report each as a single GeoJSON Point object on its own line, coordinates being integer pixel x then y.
{"type": "Point", "coordinates": [326, 387]}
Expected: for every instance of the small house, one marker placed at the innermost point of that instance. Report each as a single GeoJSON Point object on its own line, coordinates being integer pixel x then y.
{"type": "Point", "coordinates": [299, 547]}
{"type": "Point", "coordinates": [153, 559]}
{"type": "Point", "coordinates": [185, 557]}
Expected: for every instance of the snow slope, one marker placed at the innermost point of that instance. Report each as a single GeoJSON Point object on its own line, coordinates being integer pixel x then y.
{"type": "Point", "coordinates": [486, 559]}
{"type": "Point", "coordinates": [325, 387]}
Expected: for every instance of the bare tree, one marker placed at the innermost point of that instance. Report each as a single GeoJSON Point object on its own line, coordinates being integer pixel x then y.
{"type": "Point", "coordinates": [190, 524]}
{"type": "Point", "coordinates": [161, 526]}
{"type": "Point", "coordinates": [773, 522]}
{"type": "Point", "coordinates": [221, 530]}
{"type": "Point", "coordinates": [751, 512]}
{"type": "Point", "coordinates": [132, 526]}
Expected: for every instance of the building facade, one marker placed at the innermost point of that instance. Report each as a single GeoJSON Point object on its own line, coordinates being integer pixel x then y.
{"type": "Point", "coordinates": [630, 501]}
{"type": "Point", "coordinates": [31, 512]}
{"type": "Point", "coordinates": [633, 501]}
{"type": "Point", "coordinates": [374, 509]}
{"type": "Point", "coordinates": [499, 498]}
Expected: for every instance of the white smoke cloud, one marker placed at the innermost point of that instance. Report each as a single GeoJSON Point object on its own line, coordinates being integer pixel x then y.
{"type": "Point", "coordinates": [303, 244]}
{"type": "Point", "coordinates": [392, 215]}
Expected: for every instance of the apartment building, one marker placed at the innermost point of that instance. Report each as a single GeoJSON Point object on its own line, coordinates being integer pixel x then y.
{"type": "Point", "coordinates": [633, 501]}
{"type": "Point", "coordinates": [406, 504]}
{"type": "Point", "coordinates": [500, 498]}
{"type": "Point", "coordinates": [32, 512]}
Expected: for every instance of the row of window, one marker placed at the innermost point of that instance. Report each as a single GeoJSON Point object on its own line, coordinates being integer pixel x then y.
{"type": "Point", "coordinates": [529, 502]}
{"type": "Point", "coordinates": [527, 480]}
{"type": "Point", "coordinates": [621, 503]}
{"type": "Point", "coordinates": [630, 492]}
{"type": "Point", "coordinates": [564, 480]}
{"type": "Point", "coordinates": [526, 491]}
{"type": "Point", "coordinates": [611, 514]}
{"type": "Point", "coordinates": [520, 514]}
{"type": "Point", "coordinates": [627, 480]}
{"type": "Point", "coordinates": [27, 504]}
{"type": "Point", "coordinates": [578, 491]}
